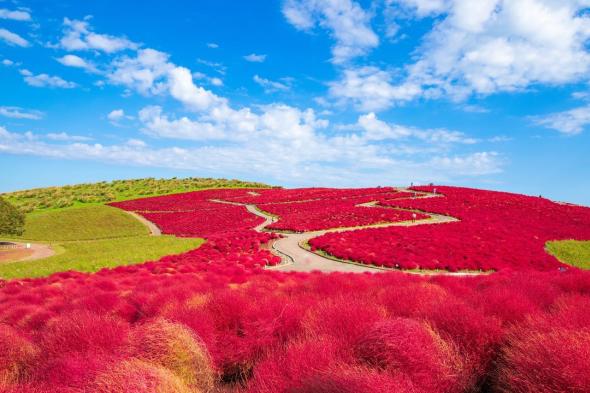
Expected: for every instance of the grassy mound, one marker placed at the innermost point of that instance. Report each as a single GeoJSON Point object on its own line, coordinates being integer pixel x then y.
{"type": "Point", "coordinates": [91, 238]}
{"type": "Point", "coordinates": [85, 223]}
{"type": "Point", "coordinates": [572, 252]}
{"type": "Point", "coordinates": [91, 256]}
{"type": "Point", "coordinates": [118, 190]}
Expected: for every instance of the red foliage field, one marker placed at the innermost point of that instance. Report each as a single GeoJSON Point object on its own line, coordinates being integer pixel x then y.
{"type": "Point", "coordinates": [496, 231]}
{"type": "Point", "coordinates": [212, 320]}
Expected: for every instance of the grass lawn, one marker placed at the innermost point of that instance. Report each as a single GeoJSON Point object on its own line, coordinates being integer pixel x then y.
{"type": "Point", "coordinates": [90, 238]}
{"type": "Point", "coordinates": [91, 256]}
{"type": "Point", "coordinates": [572, 252]}
{"type": "Point", "coordinates": [82, 223]}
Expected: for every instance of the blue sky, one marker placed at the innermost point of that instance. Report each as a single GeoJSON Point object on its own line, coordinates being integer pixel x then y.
{"type": "Point", "coordinates": [490, 94]}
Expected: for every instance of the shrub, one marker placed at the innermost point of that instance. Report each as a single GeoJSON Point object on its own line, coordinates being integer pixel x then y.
{"type": "Point", "coordinates": [136, 376]}
{"type": "Point", "coordinates": [12, 221]}
{"type": "Point", "coordinates": [175, 347]}
{"type": "Point", "coordinates": [17, 354]}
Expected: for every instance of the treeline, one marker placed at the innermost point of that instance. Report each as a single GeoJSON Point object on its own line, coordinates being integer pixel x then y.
{"type": "Point", "coordinates": [117, 190]}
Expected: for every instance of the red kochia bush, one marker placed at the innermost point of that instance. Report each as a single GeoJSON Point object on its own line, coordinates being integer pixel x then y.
{"type": "Point", "coordinates": [402, 345]}
{"type": "Point", "coordinates": [549, 353]}
{"type": "Point", "coordinates": [17, 355]}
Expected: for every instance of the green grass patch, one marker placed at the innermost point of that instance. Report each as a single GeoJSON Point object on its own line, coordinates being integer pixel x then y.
{"type": "Point", "coordinates": [118, 190]}
{"type": "Point", "coordinates": [91, 256]}
{"type": "Point", "coordinates": [573, 252]}
{"type": "Point", "coordinates": [83, 223]}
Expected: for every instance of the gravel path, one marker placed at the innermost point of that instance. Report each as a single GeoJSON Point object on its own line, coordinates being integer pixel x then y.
{"type": "Point", "coordinates": [296, 257]}
{"type": "Point", "coordinates": [153, 228]}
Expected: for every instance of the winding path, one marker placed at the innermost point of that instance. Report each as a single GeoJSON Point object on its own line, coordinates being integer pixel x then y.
{"type": "Point", "coordinates": [296, 256]}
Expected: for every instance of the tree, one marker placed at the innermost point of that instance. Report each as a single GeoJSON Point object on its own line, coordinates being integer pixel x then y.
{"type": "Point", "coordinates": [12, 220]}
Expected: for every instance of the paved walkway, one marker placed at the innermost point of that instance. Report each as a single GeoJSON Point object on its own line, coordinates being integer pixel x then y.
{"type": "Point", "coordinates": [297, 257]}
{"type": "Point", "coordinates": [37, 251]}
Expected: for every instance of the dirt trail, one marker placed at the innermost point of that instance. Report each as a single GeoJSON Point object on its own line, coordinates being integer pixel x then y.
{"type": "Point", "coordinates": [37, 251]}
{"type": "Point", "coordinates": [153, 228]}
{"type": "Point", "coordinates": [296, 257]}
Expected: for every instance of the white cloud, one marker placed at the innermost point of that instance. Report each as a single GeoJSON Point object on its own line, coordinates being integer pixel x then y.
{"type": "Point", "coordinates": [489, 46]}
{"type": "Point", "coordinates": [212, 45]}
{"type": "Point", "coordinates": [65, 137]}
{"type": "Point", "coordinates": [376, 130]}
{"type": "Point", "coordinates": [45, 80]}
{"type": "Point", "coordinates": [346, 20]}
{"type": "Point", "coordinates": [215, 81]}
{"type": "Point", "coordinates": [146, 72]}
{"type": "Point", "coordinates": [77, 62]}
{"type": "Point", "coordinates": [13, 39]}
{"type": "Point", "coordinates": [79, 36]}
{"type": "Point", "coordinates": [570, 122]}
{"type": "Point", "coordinates": [7, 62]}
{"type": "Point", "coordinates": [182, 88]}
{"type": "Point", "coordinates": [18, 15]}
{"type": "Point", "coordinates": [270, 86]}
{"type": "Point", "coordinates": [16, 112]}
{"type": "Point", "coordinates": [254, 58]}
{"type": "Point", "coordinates": [371, 89]}
{"type": "Point", "coordinates": [157, 124]}
{"type": "Point", "coordinates": [476, 164]}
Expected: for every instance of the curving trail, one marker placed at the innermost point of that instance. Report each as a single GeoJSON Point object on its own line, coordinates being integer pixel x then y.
{"type": "Point", "coordinates": [153, 228]}
{"type": "Point", "coordinates": [296, 256]}
{"type": "Point", "coordinates": [36, 251]}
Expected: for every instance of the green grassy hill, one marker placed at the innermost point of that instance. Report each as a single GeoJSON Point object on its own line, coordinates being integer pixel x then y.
{"type": "Point", "coordinates": [87, 235]}
{"type": "Point", "coordinates": [118, 190]}
{"type": "Point", "coordinates": [90, 238]}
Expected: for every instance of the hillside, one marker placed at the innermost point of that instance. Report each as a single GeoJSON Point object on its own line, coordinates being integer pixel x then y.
{"type": "Point", "coordinates": [117, 190]}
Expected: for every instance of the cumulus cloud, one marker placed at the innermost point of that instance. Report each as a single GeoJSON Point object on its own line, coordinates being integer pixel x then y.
{"type": "Point", "coordinates": [45, 80]}
{"type": "Point", "coordinates": [270, 86]}
{"type": "Point", "coordinates": [19, 15]}
{"type": "Point", "coordinates": [490, 46]}
{"type": "Point", "coordinates": [212, 45]}
{"type": "Point", "coordinates": [371, 89]}
{"type": "Point", "coordinates": [474, 48]}
{"type": "Point", "coordinates": [16, 112]}
{"type": "Point", "coordinates": [79, 36]}
{"type": "Point", "coordinates": [254, 58]}
{"type": "Point", "coordinates": [13, 39]}
{"type": "Point", "coordinates": [157, 124]}
{"type": "Point", "coordinates": [77, 62]}
{"type": "Point", "coordinates": [570, 122]}
{"type": "Point", "coordinates": [346, 20]}
{"type": "Point", "coordinates": [145, 72]}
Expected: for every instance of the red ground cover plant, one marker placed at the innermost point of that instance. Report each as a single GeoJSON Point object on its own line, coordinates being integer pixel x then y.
{"type": "Point", "coordinates": [496, 231]}
{"type": "Point", "coordinates": [213, 320]}
{"type": "Point", "coordinates": [334, 213]}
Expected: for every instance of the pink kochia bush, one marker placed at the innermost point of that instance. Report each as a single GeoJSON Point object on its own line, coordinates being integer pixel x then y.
{"type": "Point", "coordinates": [496, 231]}
{"type": "Point", "coordinates": [213, 320]}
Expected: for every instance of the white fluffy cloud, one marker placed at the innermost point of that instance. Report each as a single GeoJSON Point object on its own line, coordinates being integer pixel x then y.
{"type": "Point", "coordinates": [570, 122]}
{"type": "Point", "coordinates": [19, 15]}
{"type": "Point", "coordinates": [347, 21]}
{"type": "Point", "coordinates": [16, 112]}
{"type": "Point", "coordinates": [13, 39]}
{"type": "Point", "coordinates": [490, 46]}
{"type": "Point", "coordinates": [476, 48]}
{"type": "Point", "coordinates": [45, 80]}
{"type": "Point", "coordinates": [254, 58]}
{"type": "Point", "coordinates": [79, 36]}
{"type": "Point", "coordinates": [144, 73]}
{"type": "Point", "coordinates": [77, 62]}
{"type": "Point", "coordinates": [371, 89]}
